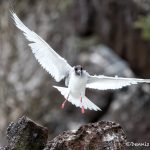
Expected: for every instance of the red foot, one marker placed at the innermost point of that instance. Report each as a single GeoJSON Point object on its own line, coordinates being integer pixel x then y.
{"type": "Point", "coordinates": [82, 110]}
{"type": "Point", "coordinates": [63, 104]}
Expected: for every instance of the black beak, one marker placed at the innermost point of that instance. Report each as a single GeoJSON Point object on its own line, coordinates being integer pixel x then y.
{"type": "Point", "coordinates": [79, 72]}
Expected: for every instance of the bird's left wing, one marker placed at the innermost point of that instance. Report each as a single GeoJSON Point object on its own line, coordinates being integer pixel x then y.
{"type": "Point", "coordinates": [53, 63]}
{"type": "Point", "coordinates": [104, 82]}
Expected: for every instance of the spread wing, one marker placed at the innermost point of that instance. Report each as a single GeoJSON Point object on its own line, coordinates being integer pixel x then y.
{"type": "Point", "coordinates": [45, 55]}
{"type": "Point", "coordinates": [104, 82]}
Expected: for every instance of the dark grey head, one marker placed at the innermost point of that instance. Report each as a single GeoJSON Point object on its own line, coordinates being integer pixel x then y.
{"type": "Point", "coordinates": [78, 70]}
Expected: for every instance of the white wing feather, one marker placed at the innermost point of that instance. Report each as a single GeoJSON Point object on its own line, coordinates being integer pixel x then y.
{"type": "Point", "coordinates": [104, 82]}
{"type": "Point", "coordinates": [86, 103]}
{"type": "Point", "coordinates": [45, 55]}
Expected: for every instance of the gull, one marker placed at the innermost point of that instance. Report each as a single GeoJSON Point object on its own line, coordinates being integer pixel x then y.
{"type": "Point", "coordinates": [76, 78]}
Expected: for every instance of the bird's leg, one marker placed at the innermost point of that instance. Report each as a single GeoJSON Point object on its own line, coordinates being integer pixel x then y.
{"type": "Point", "coordinates": [82, 109]}
{"type": "Point", "coordinates": [63, 104]}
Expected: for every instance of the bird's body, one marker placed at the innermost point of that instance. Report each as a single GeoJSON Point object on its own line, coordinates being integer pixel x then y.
{"type": "Point", "coordinates": [77, 84]}
{"type": "Point", "coordinates": [76, 79]}
{"type": "Point", "coordinates": [75, 91]}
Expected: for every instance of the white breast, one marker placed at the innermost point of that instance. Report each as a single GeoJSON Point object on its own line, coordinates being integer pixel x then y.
{"type": "Point", "coordinates": [77, 84]}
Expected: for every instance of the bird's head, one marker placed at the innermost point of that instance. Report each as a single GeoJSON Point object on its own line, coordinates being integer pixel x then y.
{"type": "Point", "coordinates": [78, 70]}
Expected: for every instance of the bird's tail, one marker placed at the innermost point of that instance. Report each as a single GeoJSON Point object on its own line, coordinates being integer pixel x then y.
{"type": "Point", "coordinates": [86, 103]}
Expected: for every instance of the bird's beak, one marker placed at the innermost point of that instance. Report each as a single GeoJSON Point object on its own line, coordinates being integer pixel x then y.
{"type": "Point", "coordinates": [79, 72]}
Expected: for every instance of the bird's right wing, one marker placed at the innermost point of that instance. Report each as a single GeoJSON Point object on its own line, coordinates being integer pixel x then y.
{"type": "Point", "coordinates": [53, 63]}
{"type": "Point", "coordinates": [105, 83]}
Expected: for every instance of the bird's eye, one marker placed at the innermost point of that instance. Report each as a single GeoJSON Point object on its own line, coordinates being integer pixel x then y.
{"type": "Point", "coordinates": [76, 69]}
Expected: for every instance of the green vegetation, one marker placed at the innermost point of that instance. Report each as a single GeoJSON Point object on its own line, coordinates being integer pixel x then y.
{"type": "Point", "coordinates": [144, 24]}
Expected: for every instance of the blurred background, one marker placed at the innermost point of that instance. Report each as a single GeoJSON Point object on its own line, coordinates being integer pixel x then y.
{"type": "Point", "coordinates": [110, 37]}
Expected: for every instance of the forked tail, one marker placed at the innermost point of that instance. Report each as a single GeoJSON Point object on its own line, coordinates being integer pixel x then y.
{"type": "Point", "coordinates": [86, 103]}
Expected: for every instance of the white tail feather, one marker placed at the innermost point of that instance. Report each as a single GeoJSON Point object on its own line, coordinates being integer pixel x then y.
{"type": "Point", "coordinates": [86, 103]}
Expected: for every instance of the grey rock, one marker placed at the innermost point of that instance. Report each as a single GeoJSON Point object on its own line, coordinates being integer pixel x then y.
{"type": "Point", "coordinates": [26, 134]}
{"type": "Point", "coordinates": [103, 135]}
